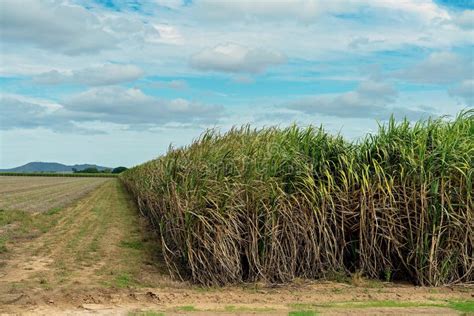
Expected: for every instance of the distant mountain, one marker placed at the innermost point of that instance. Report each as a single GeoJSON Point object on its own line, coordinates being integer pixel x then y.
{"type": "Point", "coordinates": [50, 167]}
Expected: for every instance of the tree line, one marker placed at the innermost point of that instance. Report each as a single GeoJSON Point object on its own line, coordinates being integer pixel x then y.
{"type": "Point", "coordinates": [95, 170]}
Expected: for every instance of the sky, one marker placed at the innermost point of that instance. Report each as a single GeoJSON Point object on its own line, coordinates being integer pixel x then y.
{"type": "Point", "coordinates": [117, 82]}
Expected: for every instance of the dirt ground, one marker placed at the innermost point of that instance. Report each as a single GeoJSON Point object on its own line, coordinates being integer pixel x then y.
{"type": "Point", "coordinates": [98, 258]}
{"type": "Point", "coordinates": [39, 194]}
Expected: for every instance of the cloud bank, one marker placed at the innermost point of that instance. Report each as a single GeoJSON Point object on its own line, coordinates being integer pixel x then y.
{"type": "Point", "coordinates": [108, 74]}
{"type": "Point", "coordinates": [235, 58]}
{"type": "Point", "coordinates": [68, 28]}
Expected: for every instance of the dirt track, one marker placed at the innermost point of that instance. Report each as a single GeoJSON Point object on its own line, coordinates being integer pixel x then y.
{"type": "Point", "coordinates": [99, 259]}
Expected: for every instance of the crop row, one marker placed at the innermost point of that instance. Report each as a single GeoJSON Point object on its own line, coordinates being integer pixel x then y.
{"type": "Point", "coordinates": [275, 204]}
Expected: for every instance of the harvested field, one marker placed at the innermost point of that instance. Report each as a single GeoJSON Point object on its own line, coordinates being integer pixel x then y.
{"type": "Point", "coordinates": [39, 194]}
{"type": "Point", "coordinates": [97, 257]}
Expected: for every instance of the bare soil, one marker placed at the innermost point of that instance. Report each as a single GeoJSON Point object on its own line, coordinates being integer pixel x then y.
{"type": "Point", "coordinates": [38, 194]}
{"type": "Point", "coordinates": [99, 258]}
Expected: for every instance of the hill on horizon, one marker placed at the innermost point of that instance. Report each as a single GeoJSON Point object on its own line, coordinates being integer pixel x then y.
{"type": "Point", "coordinates": [39, 166]}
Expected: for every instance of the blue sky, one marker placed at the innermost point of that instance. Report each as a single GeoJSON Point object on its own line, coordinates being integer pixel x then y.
{"type": "Point", "coordinates": [115, 82]}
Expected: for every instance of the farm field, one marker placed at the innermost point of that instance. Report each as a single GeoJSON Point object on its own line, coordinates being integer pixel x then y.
{"type": "Point", "coordinates": [276, 204]}
{"type": "Point", "coordinates": [97, 256]}
{"type": "Point", "coordinates": [39, 194]}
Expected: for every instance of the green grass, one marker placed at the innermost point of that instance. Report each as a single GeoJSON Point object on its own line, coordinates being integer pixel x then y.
{"type": "Point", "coordinates": [123, 280]}
{"type": "Point", "coordinates": [301, 306]}
{"type": "Point", "coordinates": [241, 309]}
{"type": "Point", "coordinates": [132, 244]}
{"type": "Point", "coordinates": [19, 225]}
{"type": "Point", "coordinates": [3, 244]}
{"type": "Point", "coordinates": [302, 313]}
{"type": "Point", "coordinates": [9, 217]}
{"type": "Point", "coordinates": [146, 313]}
{"type": "Point", "coordinates": [53, 211]}
{"type": "Point", "coordinates": [310, 309]}
{"type": "Point", "coordinates": [187, 308]}
{"type": "Point", "coordinates": [373, 304]}
{"type": "Point", "coordinates": [462, 306]}
{"type": "Point", "coordinates": [245, 205]}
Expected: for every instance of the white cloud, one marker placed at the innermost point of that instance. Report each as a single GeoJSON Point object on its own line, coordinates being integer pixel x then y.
{"type": "Point", "coordinates": [17, 111]}
{"type": "Point", "coordinates": [172, 4]}
{"type": "Point", "coordinates": [438, 68]}
{"type": "Point", "coordinates": [371, 99]}
{"type": "Point", "coordinates": [47, 106]}
{"type": "Point", "coordinates": [119, 24]}
{"type": "Point", "coordinates": [107, 74]}
{"type": "Point", "coordinates": [115, 105]}
{"type": "Point", "coordinates": [320, 30]}
{"type": "Point", "coordinates": [427, 10]}
{"type": "Point", "coordinates": [172, 84]}
{"type": "Point", "coordinates": [131, 106]}
{"type": "Point", "coordinates": [376, 90]}
{"type": "Point", "coordinates": [363, 42]}
{"type": "Point", "coordinates": [165, 33]}
{"type": "Point", "coordinates": [464, 90]}
{"type": "Point", "coordinates": [66, 28]}
{"type": "Point", "coordinates": [272, 25]}
{"type": "Point", "coordinates": [309, 10]}
{"type": "Point", "coordinates": [302, 9]}
{"type": "Point", "coordinates": [367, 100]}
{"type": "Point", "coordinates": [465, 20]}
{"type": "Point", "coordinates": [236, 58]}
